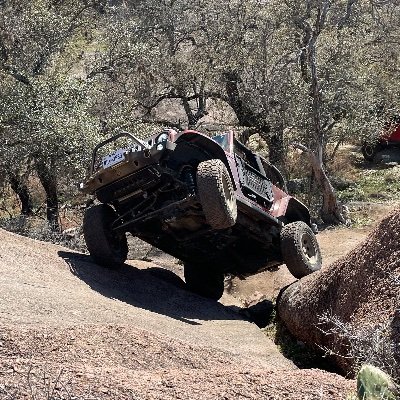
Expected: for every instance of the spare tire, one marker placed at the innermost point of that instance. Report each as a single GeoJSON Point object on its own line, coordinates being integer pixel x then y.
{"type": "Point", "coordinates": [300, 249]}
{"type": "Point", "coordinates": [216, 194]}
{"type": "Point", "coordinates": [105, 246]}
{"type": "Point", "coordinates": [369, 149]}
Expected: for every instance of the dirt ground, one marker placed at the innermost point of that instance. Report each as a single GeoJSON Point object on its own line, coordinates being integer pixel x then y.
{"type": "Point", "coordinates": [72, 330]}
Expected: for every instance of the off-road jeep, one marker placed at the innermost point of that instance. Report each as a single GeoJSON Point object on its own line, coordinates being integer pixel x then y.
{"type": "Point", "coordinates": [384, 146]}
{"type": "Point", "coordinates": [210, 202]}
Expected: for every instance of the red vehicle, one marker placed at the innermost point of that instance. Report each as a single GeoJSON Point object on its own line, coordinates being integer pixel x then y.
{"type": "Point", "coordinates": [385, 144]}
{"type": "Point", "coordinates": [210, 202]}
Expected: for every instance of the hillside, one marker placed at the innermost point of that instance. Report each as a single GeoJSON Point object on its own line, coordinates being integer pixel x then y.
{"type": "Point", "coordinates": [74, 329]}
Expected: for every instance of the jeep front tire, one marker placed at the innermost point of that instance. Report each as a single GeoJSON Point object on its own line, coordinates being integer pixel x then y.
{"type": "Point", "coordinates": [300, 249]}
{"type": "Point", "coordinates": [216, 194]}
{"type": "Point", "coordinates": [105, 246]}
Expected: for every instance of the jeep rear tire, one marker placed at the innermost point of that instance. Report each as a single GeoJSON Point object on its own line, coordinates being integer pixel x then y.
{"type": "Point", "coordinates": [369, 149]}
{"type": "Point", "coordinates": [216, 194]}
{"type": "Point", "coordinates": [204, 281]}
{"type": "Point", "coordinates": [300, 249]}
{"type": "Point", "coordinates": [106, 248]}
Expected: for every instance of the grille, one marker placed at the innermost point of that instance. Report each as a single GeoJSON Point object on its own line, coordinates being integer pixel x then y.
{"type": "Point", "coordinates": [253, 181]}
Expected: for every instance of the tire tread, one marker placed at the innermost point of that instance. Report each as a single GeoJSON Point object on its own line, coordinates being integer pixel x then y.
{"type": "Point", "coordinates": [292, 249]}
{"type": "Point", "coordinates": [210, 180]}
{"type": "Point", "coordinates": [97, 237]}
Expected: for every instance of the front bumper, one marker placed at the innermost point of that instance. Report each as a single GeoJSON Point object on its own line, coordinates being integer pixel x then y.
{"type": "Point", "coordinates": [134, 162]}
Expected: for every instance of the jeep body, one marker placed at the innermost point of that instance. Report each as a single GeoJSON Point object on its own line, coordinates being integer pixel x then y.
{"type": "Point", "coordinates": [152, 187]}
{"type": "Point", "coordinates": [386, 144]}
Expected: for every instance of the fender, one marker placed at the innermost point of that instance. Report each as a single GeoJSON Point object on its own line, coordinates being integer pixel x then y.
{"type": "Point", "coordinates": [291, 210]}
{"type": "Point", "coordinates": [297, 211]}
{"type": "Point", "coordinates": [202, 146]}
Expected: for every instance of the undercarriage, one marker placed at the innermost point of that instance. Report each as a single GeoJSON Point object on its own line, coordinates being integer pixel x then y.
{"type": "Point", "coordinates": [166, 213]}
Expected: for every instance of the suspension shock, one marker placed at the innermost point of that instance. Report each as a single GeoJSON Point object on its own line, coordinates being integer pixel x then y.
{"type": "Point", "coordinates": [188, 177]}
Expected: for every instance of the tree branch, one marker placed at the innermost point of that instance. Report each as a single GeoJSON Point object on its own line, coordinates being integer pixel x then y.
{"type": "Point", "coordinates": [16, 75]}
{"type": "Point", "coordinates": [349, 8]}
{"type": "Point", "coordinates": [9, 69]}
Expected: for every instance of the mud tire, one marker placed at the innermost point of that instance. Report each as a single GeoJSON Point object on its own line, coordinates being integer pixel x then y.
{"type": "Point", "coordinates": [106, 248]}
{"type": "Point", "coordinates": [216, 194]}
{"type": "Point", "coordinates": [369, 150]}
{"type": "Point", "coordinates": [204, 281]}
{"type": "Point", "coordinates": [300, 249]}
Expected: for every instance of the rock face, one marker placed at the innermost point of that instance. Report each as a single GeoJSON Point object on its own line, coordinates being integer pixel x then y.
{"type": "Point", "coordinates": [355, 300]}
{"type": "Point", "coordinates": [71, 329]}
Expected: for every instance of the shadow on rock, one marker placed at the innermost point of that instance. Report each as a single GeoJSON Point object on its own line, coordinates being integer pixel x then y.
{"type": "Point", "coordinates": [154, 289]}
{"type": "Point", "coordinates": [260, 313]}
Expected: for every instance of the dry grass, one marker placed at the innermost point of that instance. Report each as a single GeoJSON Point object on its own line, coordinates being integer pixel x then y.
{"type": "Point", "coordinates": [38, 228]}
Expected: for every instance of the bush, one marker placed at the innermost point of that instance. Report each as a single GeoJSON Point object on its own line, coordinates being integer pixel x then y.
{"type": "Point", "coordinates": [39, 229]}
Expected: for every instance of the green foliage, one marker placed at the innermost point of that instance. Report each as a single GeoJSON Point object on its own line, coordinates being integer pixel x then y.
{"type": "Point", "coordinates": [74, 71]}
{"type": "Point", "coordinates": [373, 185]}
{"type": "Point", "coordinates": [302, 355]}
{"type": "Point", "coordinates": [53, 123]}
{"type": "Point", "coordinates": [374, 384]}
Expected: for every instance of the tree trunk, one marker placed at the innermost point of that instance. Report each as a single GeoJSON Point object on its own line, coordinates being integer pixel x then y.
{"type": "Point", "coordinates": [331, 210]}
{"type": "Point", "coordinates": [48, 179]}
{"type": "Point", "coordinates": [194, 117]}
{"type": "Point", "coordinates": [247, 117]}
{"type": "Point", "coordinates": [277, 154]}
{"type": "Point", "coordinates": [21, 190]}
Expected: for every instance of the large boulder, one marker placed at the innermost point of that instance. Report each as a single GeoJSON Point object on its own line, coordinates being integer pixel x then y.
{"type": "Point", "coordinates": [351, 308]}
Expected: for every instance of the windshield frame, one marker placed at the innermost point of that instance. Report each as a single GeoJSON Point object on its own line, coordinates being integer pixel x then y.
{"type": "Point", "coordinates": [227, 145]}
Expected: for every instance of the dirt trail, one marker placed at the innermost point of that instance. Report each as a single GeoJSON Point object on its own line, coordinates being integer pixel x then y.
{"type": "Point", "coordinates": [334, 244]}
{"type": "Point", "coordinates": [130, 333]}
